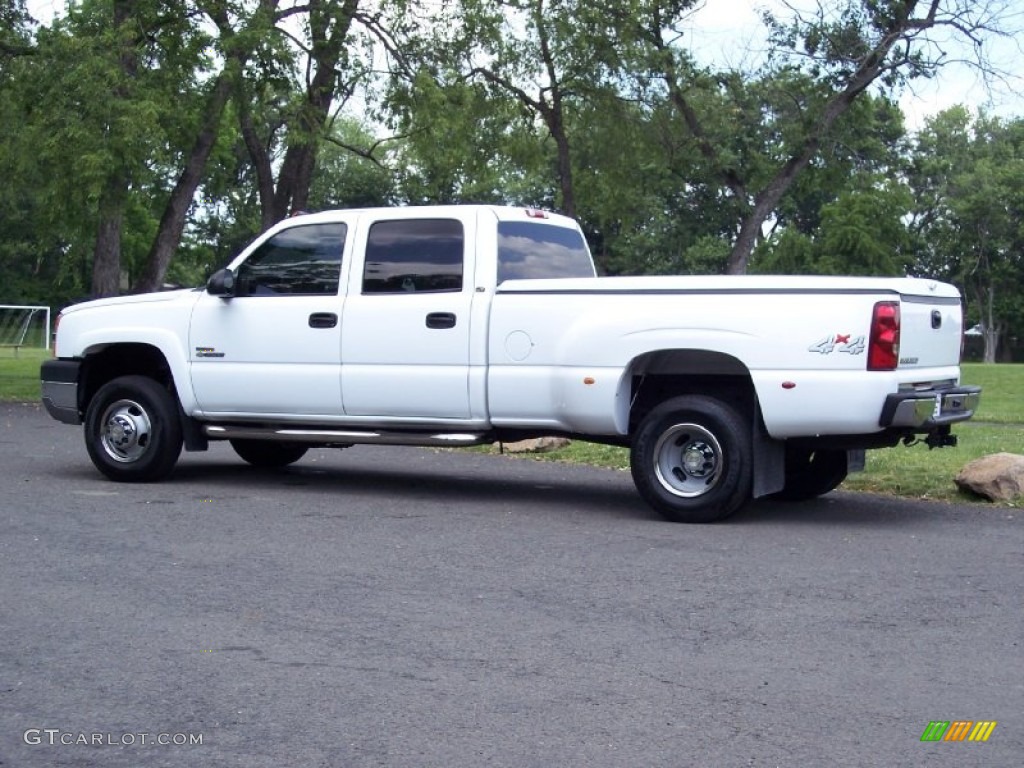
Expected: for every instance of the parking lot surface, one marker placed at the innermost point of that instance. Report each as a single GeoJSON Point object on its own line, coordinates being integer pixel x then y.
{"type": "Point", "coordinates": [408, 607]}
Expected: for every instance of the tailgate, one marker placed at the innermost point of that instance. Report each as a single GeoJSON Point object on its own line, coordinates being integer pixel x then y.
{"type": "Point", "coordinates": [931, 329]}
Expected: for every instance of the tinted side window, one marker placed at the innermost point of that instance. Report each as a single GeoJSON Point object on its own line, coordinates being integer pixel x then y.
{"type": "Point", "coordinates": [528, 250]}
{"type": "Point", "coordinates": [414, 255]}
{"type": "Point", "coordinates": [303, 260]}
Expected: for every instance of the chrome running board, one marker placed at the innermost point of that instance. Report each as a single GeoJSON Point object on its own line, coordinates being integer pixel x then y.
{"type": "Point", "coordinates": [346, 437]}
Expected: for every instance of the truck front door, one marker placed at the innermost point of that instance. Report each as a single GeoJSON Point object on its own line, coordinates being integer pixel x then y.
{"type": "Point", "coordinates": [274, 346]}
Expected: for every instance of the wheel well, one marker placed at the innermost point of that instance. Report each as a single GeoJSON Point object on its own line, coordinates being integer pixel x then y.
{"type": "Point", "coordinates": [111, 362]}
{"type": "Point", "coordinates": [658, 376]}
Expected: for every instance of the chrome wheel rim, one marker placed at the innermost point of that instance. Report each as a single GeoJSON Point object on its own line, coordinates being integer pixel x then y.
{"type": "Point", "coordinates": [125, 431]}
{"type": "Point", "coordinates": [688, 460]}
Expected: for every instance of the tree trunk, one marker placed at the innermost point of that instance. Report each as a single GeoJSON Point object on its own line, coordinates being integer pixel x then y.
{"type": "Point", "coordinates": [106, 257]}
{"type": "Point", "coordinates": [992, 330]}
{"type": "Point", "coordinates": [329, 24]}
{"type": "Point", "coordinates": [168, 236]}
{"type": "Point", "coordinates": [259, 25]}
{"type": "Point", "coordinates": [261, 163]}
{"type": "Point", "coordinates": [556, 126]}
{"type": "Point", "coordinates": [554, 115]}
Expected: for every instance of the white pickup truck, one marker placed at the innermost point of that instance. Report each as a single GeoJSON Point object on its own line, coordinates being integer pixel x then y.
{"type": "Point", "coordinates": [463, 325]}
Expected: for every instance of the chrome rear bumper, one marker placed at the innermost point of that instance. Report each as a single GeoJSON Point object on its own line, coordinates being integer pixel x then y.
{"type": "Point", "coordinates": [923, 411]}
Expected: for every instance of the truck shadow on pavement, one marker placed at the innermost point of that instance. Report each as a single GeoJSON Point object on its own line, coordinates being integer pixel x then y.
{"type": "Point", "coordinates": [487, 482]}
{"type": "Point", "coordinates": [436, 480]}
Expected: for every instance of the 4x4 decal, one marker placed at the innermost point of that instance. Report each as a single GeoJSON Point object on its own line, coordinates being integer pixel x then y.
{"type": "Point", "coordinates": [848, 343]}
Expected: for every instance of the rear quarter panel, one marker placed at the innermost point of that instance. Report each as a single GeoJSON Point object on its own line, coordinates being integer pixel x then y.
{"type": "Point", "coordinates": [562, 357]}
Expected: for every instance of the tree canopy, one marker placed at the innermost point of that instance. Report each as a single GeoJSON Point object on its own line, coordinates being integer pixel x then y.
{"type": "Point", "coordinates": [145, 141]}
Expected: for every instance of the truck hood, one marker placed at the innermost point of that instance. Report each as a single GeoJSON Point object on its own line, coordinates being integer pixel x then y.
{"type": "Point", "coordinates": [140, 298]}
{"type": "Point", "coordinates": [904, 286]}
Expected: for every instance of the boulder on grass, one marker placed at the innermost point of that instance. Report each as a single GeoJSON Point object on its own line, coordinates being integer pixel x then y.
{"type": "Point", "coordinates": [999, 477]}
{"type": "Point", "coordinates": [537, 445]}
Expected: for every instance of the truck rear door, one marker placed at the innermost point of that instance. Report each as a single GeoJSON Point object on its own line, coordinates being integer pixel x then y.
{"type": "Point", "coordinates": [405, 338]}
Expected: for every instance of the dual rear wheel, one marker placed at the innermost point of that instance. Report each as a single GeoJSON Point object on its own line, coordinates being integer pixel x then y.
{"type": "Point", "coordinates": [692, 460]}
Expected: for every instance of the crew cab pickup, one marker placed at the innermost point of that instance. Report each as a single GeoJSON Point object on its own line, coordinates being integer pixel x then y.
{"type": "Point", "coordinates": [463, 325]}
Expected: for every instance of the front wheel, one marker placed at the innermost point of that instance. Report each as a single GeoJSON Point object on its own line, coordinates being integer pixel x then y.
{"type": "Point", "coordinates": [269, 454]}
{"type": "Point", "coordinates": [692, 460]}
{"type": "Point", "coordinates": [132, 431]}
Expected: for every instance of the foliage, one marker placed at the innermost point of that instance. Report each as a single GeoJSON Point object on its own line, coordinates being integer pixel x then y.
{"type": "Point", "coordinates": [144, 137]}
{"type": "Point", "coordinates": [460, 143]}
{"type": "Point", "coordinates": [841, 49]}
{"type": "Point", "coordinates": [968, 183]}
{"type": "Point", "coordinates": [862, 232]}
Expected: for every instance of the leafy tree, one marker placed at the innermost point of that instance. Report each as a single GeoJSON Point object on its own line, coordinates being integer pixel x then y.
{"type": "Point", "coordinates": [845, 47]}
{"type": "Point", "coordinates": [533, 62]}
{"type": "Point", "coordinates": [200, 134]}
{"type": "Point", "coordinates": [968, 178]}
{"type": "Point", "coordinates": [459, 141]}
{"type": "Point", "coordinates": [861, 232]}
{"type": "Point", "coordinates": [349, 173]}
{"type": "Point", "coordinates": [14, 35]}
{"type": "Point", "coordinates": [104, 100]}
{"type": "Point", "coordinates": [281, 113]}
{"type": "Point", "coordinates": [151, 139]}
{"type": "Point", "coordinates": [127, 98]}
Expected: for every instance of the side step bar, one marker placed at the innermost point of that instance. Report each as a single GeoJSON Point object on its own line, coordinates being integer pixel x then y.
{"type": "Point", "coordinates": [344, 438]}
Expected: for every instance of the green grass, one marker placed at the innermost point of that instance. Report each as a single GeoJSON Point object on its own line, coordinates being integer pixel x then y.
{"type": "Point", "coordinates": [997, 427]}
{"type": "Point", "coordinates": [916, 472]}
{"type": "Point", "coordinates": [1002, 398]}
{"type": "Point", "coordinates": [912, 471]}
{"type": "Point", "coordinates": [19, 373]}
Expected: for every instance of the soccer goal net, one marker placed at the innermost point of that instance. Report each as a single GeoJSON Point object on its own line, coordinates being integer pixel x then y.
{"type": "Point", "coordinates": [24, 327]}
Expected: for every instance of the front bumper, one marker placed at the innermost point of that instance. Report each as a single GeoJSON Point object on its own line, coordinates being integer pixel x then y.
{"type": "Point", "coordinates": [926, 410]}
{"type": "Point", "coordinates": [60, 389]}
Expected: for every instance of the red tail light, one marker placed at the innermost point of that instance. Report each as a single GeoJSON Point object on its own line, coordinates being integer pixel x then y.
{"type": "Point", "coordinates": [884, 347]}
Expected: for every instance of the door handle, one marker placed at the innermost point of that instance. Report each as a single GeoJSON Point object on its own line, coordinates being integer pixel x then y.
{"type": "Point", "coordinates": [441, 320]}
{"type": "Point", "coordinates": [323, 320]}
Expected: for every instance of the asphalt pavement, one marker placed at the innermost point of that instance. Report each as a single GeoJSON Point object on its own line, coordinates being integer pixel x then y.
{"type": "Point", "coordinates": [410, 607]}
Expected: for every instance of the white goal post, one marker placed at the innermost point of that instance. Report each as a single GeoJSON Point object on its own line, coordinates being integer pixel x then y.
{"type": "Point", "coordinates": [24, 326]}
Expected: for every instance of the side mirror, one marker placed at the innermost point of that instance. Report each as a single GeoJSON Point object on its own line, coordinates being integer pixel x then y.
{"type": "Point", "coordinates": [221, 283]}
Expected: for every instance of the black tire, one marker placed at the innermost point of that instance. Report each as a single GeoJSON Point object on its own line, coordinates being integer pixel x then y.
{"type": "Point", "coordinates": [132, 430]}
{"type": "Point", "coordinates": [269, 454]}
{"type": "Point", "coordinates": [692, 460]}
{"type": "Point", "coordinates": [810, 474]}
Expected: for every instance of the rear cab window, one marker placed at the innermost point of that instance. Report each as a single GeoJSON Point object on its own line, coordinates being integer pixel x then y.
{"type": "Point", "coordinates": [529, 250]}
{"type": "Point", "coordinates": [414, 256]}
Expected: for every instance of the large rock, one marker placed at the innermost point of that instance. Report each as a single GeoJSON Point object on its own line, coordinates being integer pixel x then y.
{"type": "Point", "coordinates": [537, 445]}
{"type": "Point", "coordinates": [999, 477]}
